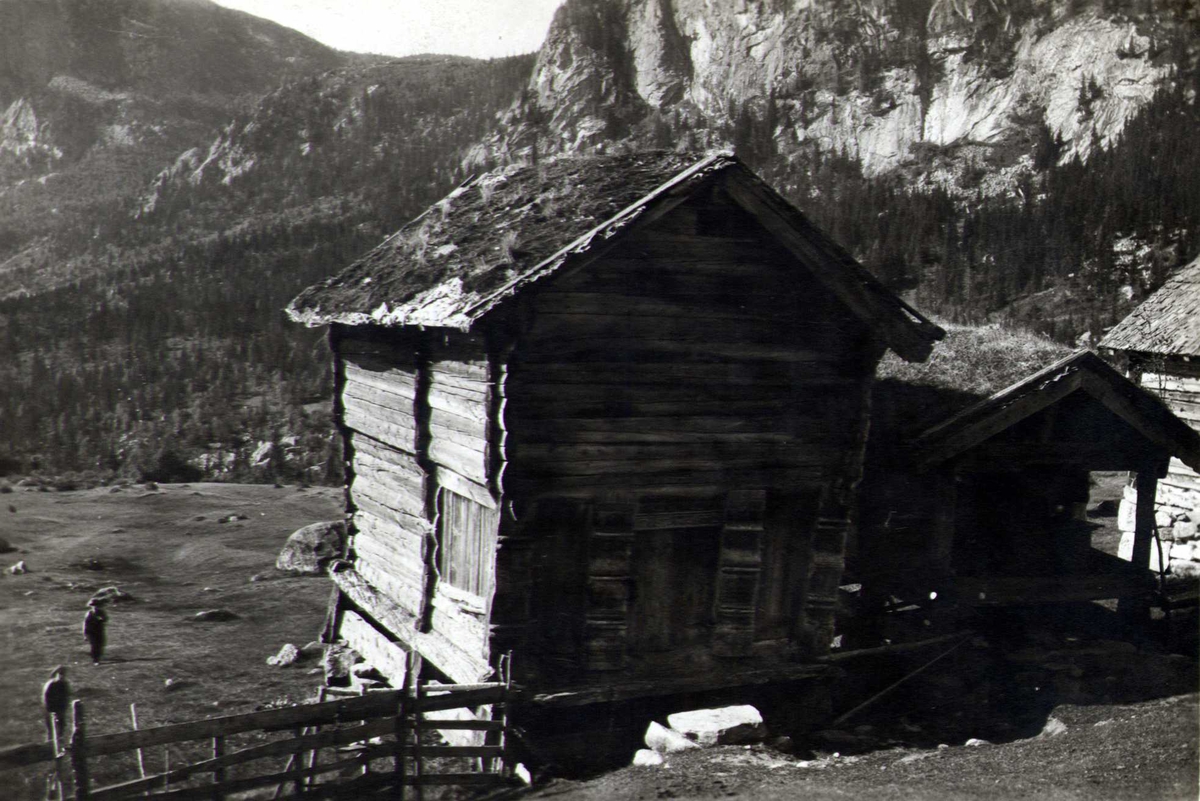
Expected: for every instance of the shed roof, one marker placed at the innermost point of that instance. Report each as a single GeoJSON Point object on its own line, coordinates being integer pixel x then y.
{"type": "Point", "coordinates": [500, 232]}
{"type": "Point", "coordinates": [1167, 322]}
{"type": "Point", "coordinates": [1082, 371]}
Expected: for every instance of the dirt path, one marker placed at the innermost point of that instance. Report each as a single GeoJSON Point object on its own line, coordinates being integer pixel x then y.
{"type": "Point", "coordinates": [1140, 751]}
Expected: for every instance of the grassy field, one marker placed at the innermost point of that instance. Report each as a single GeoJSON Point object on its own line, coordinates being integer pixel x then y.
{"type": "Point", "coordinates": [176, 551]}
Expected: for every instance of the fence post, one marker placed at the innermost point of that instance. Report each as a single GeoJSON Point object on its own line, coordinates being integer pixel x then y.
{"type": "Point", "coordinates": [218, 750]}
{"type": "Point", "coordinates": [141, 756]}
{"type": "Point", "coordinates": [78, 750]}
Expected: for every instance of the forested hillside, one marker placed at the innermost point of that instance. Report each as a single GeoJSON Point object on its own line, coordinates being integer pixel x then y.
{"type": "Point", "coordinates": [173, 357]}
{"type": "Point", "coordinates": [1024, 161]}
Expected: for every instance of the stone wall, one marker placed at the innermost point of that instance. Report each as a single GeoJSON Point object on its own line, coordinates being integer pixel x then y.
{"type": "Point", "coordinates": [1177, 513]}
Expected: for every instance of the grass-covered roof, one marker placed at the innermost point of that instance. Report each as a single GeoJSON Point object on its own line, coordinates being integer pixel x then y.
{"type": "Point", "coordinates": [1168, 322]}
{"type": "Point", "coordinates": [492, 232]}
{"type": "Point", "coordinates": [500, 232]}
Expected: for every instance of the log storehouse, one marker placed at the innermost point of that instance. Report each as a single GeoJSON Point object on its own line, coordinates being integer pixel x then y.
{"type": "Point", "coordinates": [608, 415]}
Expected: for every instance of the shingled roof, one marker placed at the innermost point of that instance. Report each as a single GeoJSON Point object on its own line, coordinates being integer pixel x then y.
{"type": "Point", "coordinates": [502, 231]}
{"type": "Point", "coordinates": [1168, 322]}
{"type": "Point", "coordinates": [1081, 371]}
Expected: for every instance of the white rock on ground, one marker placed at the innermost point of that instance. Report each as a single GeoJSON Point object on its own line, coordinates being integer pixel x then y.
{"type": "Point", "coordinates": [646, 758]}
{"type": "Point", "coordinates": [729, 725]}
{"type": "Point", "coordinates": [18, 568]}
{"type": "Point", "coordinates": [666, 741]}
{"type": "Point", "coordinates": [288, 655]}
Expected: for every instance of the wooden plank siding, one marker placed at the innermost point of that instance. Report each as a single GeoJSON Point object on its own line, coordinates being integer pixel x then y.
{"type": "Point", "coordinates": [416, 410]}
{"type": "Point", "coordinates": [684, 400]}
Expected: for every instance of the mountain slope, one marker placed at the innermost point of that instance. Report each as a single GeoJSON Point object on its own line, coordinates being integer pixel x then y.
{"type": "Point", "coordinates": [95, 95]}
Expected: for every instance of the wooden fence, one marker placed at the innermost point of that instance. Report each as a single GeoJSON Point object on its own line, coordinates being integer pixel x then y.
{"type": "Point", "coordinates": [334, 751]}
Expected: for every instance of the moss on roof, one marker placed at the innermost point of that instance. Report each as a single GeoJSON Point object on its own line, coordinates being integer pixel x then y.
{"type": "Point", "coordinates": [491, 231]}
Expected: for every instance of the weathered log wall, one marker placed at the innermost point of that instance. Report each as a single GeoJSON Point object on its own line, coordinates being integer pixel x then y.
{"type": "Point", "coordinates": [677, 416]}
{"type": "Point", "coordinates": [416, 409]}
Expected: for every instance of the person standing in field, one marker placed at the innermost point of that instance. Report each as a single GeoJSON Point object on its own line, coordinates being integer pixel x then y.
{"type": "Point", "coordinates": [93, 629]}
{"type": "Point", "coordinates": [56, 694]}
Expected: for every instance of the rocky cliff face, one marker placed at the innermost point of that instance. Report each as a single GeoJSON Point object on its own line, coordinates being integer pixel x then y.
{"type": "Point", "coordinates": [930, 85]}
{"type": "Point", "coordinates": [81, 77]}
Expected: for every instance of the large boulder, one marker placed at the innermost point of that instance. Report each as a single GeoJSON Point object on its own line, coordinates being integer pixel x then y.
{"type": "Point", "coordinates": [666, 741]}
{"type": "Point", "coordinates": [308, 550]}
{"type": "Point", "coordinates": [727, 725]}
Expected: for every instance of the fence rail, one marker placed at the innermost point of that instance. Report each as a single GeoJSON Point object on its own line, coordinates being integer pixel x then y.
{"type": "Point", "coordinates": [357, 732]}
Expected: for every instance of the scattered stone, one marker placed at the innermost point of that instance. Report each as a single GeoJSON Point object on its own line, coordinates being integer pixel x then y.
{"type": "Point", "coordinates": [1098, 724]}
{"type": "Point", "coordinates": [308, 550]}
{"type": "Point", "coordinates": [666, 741]}
{"type": "Point", "coordinates": [729, 725]}
{"type": "Point", "coordinates": [116, 489]}
{"type": "Point", "coordinates": [118, 530]}
{"type": "Point", "coordinates": [288, 655]}
{"type": "Point", "coordinates": [150, 486]}
{"type": "Point", "coordinates": [1106, 508]}
{"type": "Point", "coordinates": [259, 577]}
{"type": "Point", "coordinates": [1053, 728]}
{"type": "Point", "coordinates": [337, 662]}
{"type": "Point", "coordinates": [917, 757]}
{"type": "Point", "coordinates": [522, 773]}
{"type": "Point", "coordinates": [312, 649]}
{"type": "Point", "coordinates": [19, 568]}
{"type": "Point", "coordinates": [209, 589]}
{"type": "Point", "coordinates": [942, 746]}
{"type": "Point", "coordinates": [975, 742]}
{"type": "Point", "coordinates": [6, 546]}
{"type": "Point", "coordinates": [214, 616]}
{"type": "Point", "coordinates": [113, 595]}
{"type": "Point", "coordinates": [366, 672]}
{"type": "Point", "coordinates": [647, 759]}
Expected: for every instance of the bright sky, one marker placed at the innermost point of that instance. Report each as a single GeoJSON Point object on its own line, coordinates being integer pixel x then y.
{"type": "Point", "coordinates": [480, 28]}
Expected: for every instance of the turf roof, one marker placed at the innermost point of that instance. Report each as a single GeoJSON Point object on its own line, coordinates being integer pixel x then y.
{"type": "Point", "coordinates": [496, 234]}
{"type": "Point", "coordinates": [1142, 409]}
{"type": "Point", "coordinates": [491, 232]}
{"type": "Point", "coordinates": [1168, 322]}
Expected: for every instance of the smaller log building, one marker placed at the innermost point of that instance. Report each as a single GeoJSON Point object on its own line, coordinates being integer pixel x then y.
{"type": "Point", "coordinates": [1004, 491]}
{"type": "Point", "coordinates": [1161, 340]}
{"type": "Point", "coordinates": [607, 415]}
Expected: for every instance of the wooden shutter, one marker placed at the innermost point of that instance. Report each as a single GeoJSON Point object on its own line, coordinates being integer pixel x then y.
{"type": "Point", "coordinates": [738, 571]}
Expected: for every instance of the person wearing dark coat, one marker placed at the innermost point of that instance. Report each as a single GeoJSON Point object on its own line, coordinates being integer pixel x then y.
{"type": "Point", "coordinates": [93, 630]}
{"type": "Point", "coordinates": [56, 694]}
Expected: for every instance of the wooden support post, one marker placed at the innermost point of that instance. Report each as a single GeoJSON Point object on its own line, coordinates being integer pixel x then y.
{"type": "Point", "coordinates": [78, 750]}
{"type": "Point", "coordinates": [218, 750]}
{"type": "Point", "coordinates": [1135, 612]}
